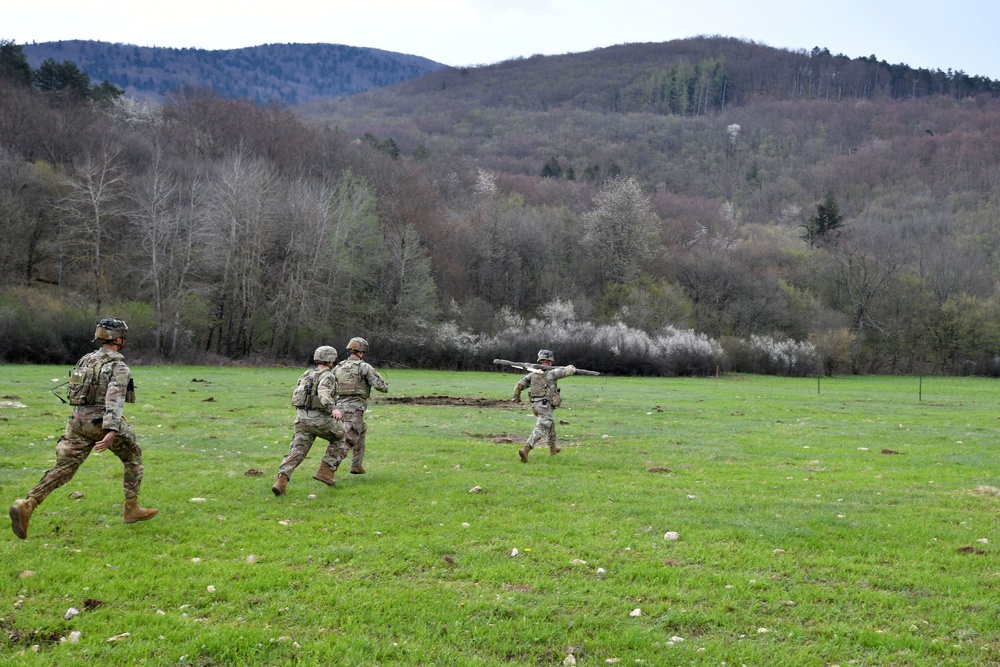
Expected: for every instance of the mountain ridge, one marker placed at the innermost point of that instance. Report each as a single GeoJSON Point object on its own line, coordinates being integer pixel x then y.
{"type": "Point", "coordinates": [286, 73]}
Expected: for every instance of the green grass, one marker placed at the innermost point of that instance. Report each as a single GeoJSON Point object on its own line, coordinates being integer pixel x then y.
{"type": "Point", "coordinates": [791, 519]}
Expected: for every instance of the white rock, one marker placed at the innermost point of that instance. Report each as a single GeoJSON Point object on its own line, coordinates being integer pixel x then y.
{"type": "Point", "coordinates": [195, 560]}
{"type": "Point", "coordinates": [251, 558]}
{"type": "Point", "coordinates": [476, 489]}
{"type": "Point", "coordinates": [74, 637]}
{"type": "Point", "coordinates": [600, 570]}
{"type": "Point", "coordinates": [70, 613]}
{"type": "Point", "coordinates": [198, 500]}
{"type": "Point", "coordinates": [635, 612]}
{"type": "Point", "coordinates": [675, 638]}
{"type": "Point", "coordinates": [983, 540]}
{"type": "Point", "coordinates": [779, 552]}
{"type": "Point", "coordinates": [210, 589]}
{"type": "Point", "coordinates": [570, 660]}
{"type": "Point", "coordinates": [672, 535]}
{"type": "Point", "coordinates": [513, 552]}
{"type": "Point", "coordinates": [465, 524]}
{"type": "Point", "coordinates": [761, 630]}
{"type": "Point", "coordinates": [577, 561]}
{"type": "Point", "coordinates": [118, 638]}
{"type": "Point", "coordinates": [311, 496]}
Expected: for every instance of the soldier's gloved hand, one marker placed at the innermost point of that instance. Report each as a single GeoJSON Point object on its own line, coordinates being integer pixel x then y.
{"type": "Point", "coordinates": [571, 368]}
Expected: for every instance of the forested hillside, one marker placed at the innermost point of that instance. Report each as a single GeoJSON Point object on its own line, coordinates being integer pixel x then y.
{"type": "Point", "coordinates": [285, 73]}
{"type": "Point", "coordinates": [543, 202]}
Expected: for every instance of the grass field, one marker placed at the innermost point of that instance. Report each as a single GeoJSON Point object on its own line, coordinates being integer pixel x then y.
{"type": "Point", "coordinates": [847, 522]}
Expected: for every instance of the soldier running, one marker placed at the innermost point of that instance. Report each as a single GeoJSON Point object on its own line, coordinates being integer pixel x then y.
{"type": "Point", "coordinates": [317, 416]}
{"type": "Point", "coordinates": [100, 385]}
{"type": "Point", "coordinates": [355, 381]}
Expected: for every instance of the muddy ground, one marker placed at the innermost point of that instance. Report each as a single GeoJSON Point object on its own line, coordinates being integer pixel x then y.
{"type": "Point", "coordinates": [456, 401]}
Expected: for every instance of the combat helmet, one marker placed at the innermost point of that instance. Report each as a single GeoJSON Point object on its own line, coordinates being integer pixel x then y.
{"type": "Point", "coordinates": [110, 328]}
{"type": "Point", "coordinates": [325, 354]}
{"type": "Point", "coordinates": [546, 355]}
{"type": "Point", "coordinates": [358, 345]}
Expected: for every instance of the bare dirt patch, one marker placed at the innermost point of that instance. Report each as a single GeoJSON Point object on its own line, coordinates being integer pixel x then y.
{"type": "Point", "coordinates": [499, 438]}
{"type": "Point", "coordinates": [454, 401]}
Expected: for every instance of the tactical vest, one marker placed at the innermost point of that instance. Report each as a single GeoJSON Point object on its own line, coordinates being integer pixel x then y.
{"type": "Point", "coordinates": [305, 395]}
{"type": "Point", "coordinates": [350, 382]}
{"type": "Point", "coordinates": [88, 385]}
{"type": "Point", "coordinates": [540, 388]}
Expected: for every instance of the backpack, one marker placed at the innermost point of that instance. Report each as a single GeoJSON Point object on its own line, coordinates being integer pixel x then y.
{"type": "Point", "coordinates": [84, 380]}
{"type": "Point", "coordinates": [304, 396]}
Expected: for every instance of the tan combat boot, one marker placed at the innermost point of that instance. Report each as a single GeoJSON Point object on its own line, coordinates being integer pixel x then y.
{"type": "Point", "coordinates": [20, 514]}
{"type": "Point", "coordinates": [523, 453]}
{"type": "Point", "coordinates": [357, 470]}
{"type": "Point", "coordinates": [554, 449]}
{"type": "Point", "coordinates": [135, 513]}
{"type": "Point", "coordinates": [279, 486]}
{"type": "Point", "coordinates": [325, 474]}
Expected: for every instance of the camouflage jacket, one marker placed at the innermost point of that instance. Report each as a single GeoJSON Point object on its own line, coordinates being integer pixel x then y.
{"type": "Point", "coordinates": [542, 385]}
{"type": "Point", "coordinates": [102, 378]}
{"type": "Point", "coordinates": [355, 381]}
{"type": "Point", "coordinates": [315, 390]}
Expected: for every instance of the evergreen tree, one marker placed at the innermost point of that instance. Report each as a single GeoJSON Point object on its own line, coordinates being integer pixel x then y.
{"type": "Point", "coordinates": [63, 77]}
{"type": "Point", "coordinates": [823, 226]}
{"type": "Point", "coordinates": [551, 168]}
{"type": "Point", "coordinates": [14, 65]}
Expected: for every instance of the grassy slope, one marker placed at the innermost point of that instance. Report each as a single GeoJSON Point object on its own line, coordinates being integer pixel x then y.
{"type": "Point", "coordinates": [381, 569]}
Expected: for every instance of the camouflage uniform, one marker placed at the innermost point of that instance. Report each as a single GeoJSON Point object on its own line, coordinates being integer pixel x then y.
{"type": "Point", "coordinates": [100, 411]}
{"type": "Point", "coordinates": [99, 387]}
{"type": "Point", "coordinates": [355, 380]}
{"type": "Point", "coordinates": [543, 391]}
{"type": "Point", "coordinates": [314, 419]}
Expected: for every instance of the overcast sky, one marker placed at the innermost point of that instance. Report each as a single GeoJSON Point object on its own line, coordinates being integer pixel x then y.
{"type": "Point", "coordinates": [957, 35]}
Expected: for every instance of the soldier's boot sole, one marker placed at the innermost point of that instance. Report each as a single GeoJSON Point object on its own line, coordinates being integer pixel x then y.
{"type": "Point", "coordinates": [20, 515]}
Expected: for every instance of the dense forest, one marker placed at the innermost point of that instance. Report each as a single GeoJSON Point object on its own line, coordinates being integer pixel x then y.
{"type": "Point", "coordinates": [542, 202]}
{"type": "Point", "coordinates": [270, 73]}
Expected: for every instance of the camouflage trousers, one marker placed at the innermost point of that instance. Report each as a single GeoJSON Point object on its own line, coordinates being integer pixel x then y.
{"type": "Point", "coordinates": [354, 421]}
{"type": "Point", "coordinates": [83, 430]}
{"type": "Point", "coordinates": [309, 425]}
{"type": "Point", "coordinates": [545, 425]}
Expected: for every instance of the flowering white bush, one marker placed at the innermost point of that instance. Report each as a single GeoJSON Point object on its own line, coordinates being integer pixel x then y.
{"type": "Point", "coordinates": [765, 354]}
{"type": "Point", "coordinates": [609, 348]}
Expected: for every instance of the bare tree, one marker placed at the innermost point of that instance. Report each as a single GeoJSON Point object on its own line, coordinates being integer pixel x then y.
{"type": "Point", "coordinates": [243, 202]}
{"type": "Point", "coordinates": [169, 213]}
{"type": "Point", "coordinates": [93, 202]}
